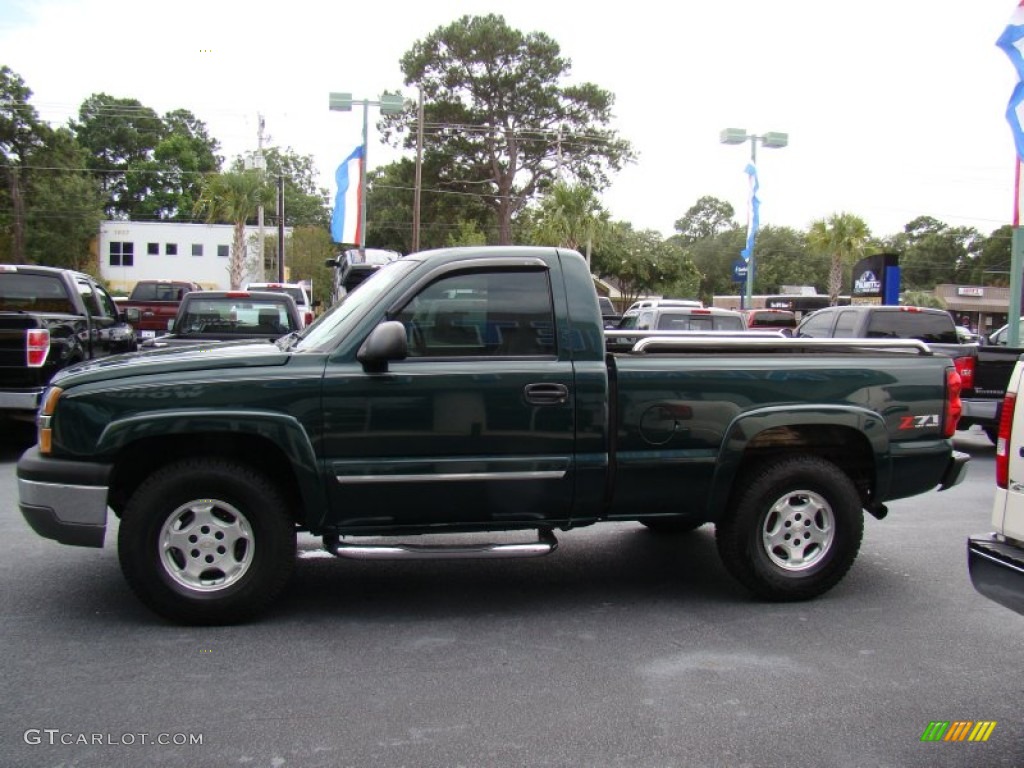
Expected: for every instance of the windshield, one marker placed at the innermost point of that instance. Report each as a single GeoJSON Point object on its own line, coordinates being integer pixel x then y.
{"type": "Point", "coordinates": [328, 330]}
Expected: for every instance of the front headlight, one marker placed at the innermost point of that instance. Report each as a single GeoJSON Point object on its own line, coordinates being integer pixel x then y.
{"type": "Point", "coordinates": [44, 432]}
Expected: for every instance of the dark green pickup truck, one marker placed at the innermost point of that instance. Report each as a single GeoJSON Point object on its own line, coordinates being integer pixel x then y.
{"type": "Point", "coordinates": [470, 390]}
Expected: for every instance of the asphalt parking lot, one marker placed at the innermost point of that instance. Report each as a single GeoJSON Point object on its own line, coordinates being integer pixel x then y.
{"type": "Point", "coordinates": [624, 648]}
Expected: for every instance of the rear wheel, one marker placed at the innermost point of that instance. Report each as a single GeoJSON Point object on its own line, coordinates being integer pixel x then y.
{"type": "Point", "coordinates": [794, 530]}
{"type": "Point", "coordinates": [206, 542]}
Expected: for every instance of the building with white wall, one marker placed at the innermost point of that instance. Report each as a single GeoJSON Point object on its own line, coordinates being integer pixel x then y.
{"type": "Point", "coordinates": [130, 251]}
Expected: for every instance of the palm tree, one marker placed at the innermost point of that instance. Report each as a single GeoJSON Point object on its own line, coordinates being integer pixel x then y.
{"type": "Point", "coordinates": [570, 216]}
{"type": "Point", "coordinates": [233, 198]}
{"type": "Point", "coordinates": [843, 236]}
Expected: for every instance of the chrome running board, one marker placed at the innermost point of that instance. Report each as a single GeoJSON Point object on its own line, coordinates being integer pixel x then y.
{"type": "Point", "coordinates": [545, 544]}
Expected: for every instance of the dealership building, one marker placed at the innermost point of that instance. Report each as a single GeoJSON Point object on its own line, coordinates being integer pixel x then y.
{"type": "Point", "coordinates": [130, 251]}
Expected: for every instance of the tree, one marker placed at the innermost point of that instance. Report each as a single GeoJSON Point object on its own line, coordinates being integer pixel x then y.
{"type": "Point", "coordinates": [151, 167]}
{"type": "Point", "coordinates": [305, 204]}
{"type": "Point", "coordinates": [781, 258]}
{"type": "Point", "coordinates": [713, 258]}
{"type": "Point", "coordinates": [569, 216]}
{"type": "Point", "coordinates": [233, 198]}
{"type": "Point", "coordinates": [992, 264]}
{"type": "Point", "coordinates": [175, 171]}
{"type": "Point", "coordinates": [641, 262]}
{"type": "Point", "coordinates": [120, 135]}
{"type": "Point", "coordinates": [306, 250]}
{"type": "Point", "coordinates": [932, 252]}
{"type": "Point", "coordinates": [20, 134]}
{"type": "Point", "coordinates": [842, 236]}
{"type": "Point", "coordinates": [708, 217]}
{"type": "Point", "coordinates": [443, 214]}
{"type": "Point", "coordinates": [64, 205]}
{"type": "Point", "coordinates": [499, 118]}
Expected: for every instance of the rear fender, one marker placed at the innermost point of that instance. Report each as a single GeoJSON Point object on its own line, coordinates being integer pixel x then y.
{"type": "Point", "coordinates": [743, 433]}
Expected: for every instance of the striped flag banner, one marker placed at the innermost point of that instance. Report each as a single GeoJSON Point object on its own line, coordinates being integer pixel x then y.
{"type": "Point", "coordinates": [346, 223]}
{"type": "Point", "coordinates": [753, 213]}
{"type": "Point", "coordinates": [1011, 41]}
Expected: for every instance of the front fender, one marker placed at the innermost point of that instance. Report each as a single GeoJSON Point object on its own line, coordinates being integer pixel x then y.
{"type": "Point", "coordinates": [284, 431]}
{"type": "Point", "coordinates": [745, 429]}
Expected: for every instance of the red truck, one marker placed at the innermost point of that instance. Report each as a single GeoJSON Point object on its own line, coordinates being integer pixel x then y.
{"type": "Point", "coordinates": [153, 302]}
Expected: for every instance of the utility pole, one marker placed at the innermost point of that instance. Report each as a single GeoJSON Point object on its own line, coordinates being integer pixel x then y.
{"type": "Point", "coordinates": [261, 164]}
{"type": "Point", "coordinates": [419, 178]}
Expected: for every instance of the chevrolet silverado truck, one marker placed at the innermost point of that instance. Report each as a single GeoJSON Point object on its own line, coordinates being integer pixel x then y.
{"type": "Point", "coordinates": [467, 391]}
{"type": "Point", "coordinates": [152, 303]}
{"type": "Point", "coordinates": [995, 560]}
{"type": "Point", "coordinates": [51, 319]}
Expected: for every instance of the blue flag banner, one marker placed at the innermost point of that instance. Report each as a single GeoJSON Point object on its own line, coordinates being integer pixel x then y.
{"type": "Point", "coordinates": [346, 223]}
{"type": "Point", "coordinates": [1012, 43]}
{"type": "Point", "coordinates": [753, 213]}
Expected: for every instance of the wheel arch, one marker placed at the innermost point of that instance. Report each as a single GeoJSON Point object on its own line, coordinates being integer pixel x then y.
{"type": "Point", "coordinates": [853, 439]}
{"type": "Point", "coordinates": [277, 447]}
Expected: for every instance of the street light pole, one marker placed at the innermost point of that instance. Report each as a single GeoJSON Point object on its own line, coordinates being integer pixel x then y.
{"type": "Point", "coordinates": [389, 104]}
{"type": "Point", "coordinates": [772, 140]}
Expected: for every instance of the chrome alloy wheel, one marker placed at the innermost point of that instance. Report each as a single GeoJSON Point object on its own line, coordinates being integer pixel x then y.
{"type": "Point", "coordinates": [798, 530]}
{"type": "Point", "coordinates": [206, 545]}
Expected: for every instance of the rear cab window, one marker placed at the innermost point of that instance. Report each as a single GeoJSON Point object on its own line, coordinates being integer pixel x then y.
{"type": "Point", "coordinates": [935, 327]}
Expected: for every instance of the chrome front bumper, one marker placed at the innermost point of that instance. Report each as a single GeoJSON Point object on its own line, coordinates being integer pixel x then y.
{"type": "Point", "coordinates": [63, 500]}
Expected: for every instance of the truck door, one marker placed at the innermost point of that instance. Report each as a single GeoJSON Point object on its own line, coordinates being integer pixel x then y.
{"type": "Point", "coordinates": [475, 427]}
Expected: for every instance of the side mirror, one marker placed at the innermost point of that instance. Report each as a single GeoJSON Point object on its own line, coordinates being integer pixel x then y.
{"type": "Point", "coordinates": [385, 343]}
{"type": "Point", "coordinates": [331, 263]}
{"type": "Point", "coordinates": [170, 324]}
{"type": "Point", "coordinates": [132, 314]}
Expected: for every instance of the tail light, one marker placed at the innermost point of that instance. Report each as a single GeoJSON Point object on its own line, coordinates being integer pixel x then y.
{"type": "Point", "coordinates": [308, 318]}
{"type": "Point", "coordinates": [954, 408]}
{"type": "Point", "coordinates": [965, 367]}
{"type": "Point", "coordinates": [1003, 440]}
{"type": "Point", "coordinates": [37, 347]}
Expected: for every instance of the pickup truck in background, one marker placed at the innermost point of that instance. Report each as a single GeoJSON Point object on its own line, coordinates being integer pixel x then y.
{"type": "Point", "coordinates": [466, 391]}
{"type": "Point", "coordinates": [996, 361]}
{"type": "Point", "coordinates": [935, 327]}
{"type": "Point", "coordinates": [153, 302]}
{"type": "Point", "coordinates": [51, 319]}
{"type": "Point", "coordinates": [995, 560]}
{"type": "Point", "coordinates": [354, 265]}
{"type": "Point", "coordinates": [210, 316]}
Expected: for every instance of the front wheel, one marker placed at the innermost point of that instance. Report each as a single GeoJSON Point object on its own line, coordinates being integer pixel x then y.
{"type": "Point", "coordinates": [794, 530]}
{"type": "Point", "coordinates": [206, 542]}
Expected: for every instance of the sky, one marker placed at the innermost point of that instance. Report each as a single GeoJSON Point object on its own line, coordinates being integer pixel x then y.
{"type": "Point", "coordinates": [894, 108]}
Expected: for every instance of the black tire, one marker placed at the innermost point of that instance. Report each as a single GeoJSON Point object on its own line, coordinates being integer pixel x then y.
{"type": "Point", "coordinates": [672, 526]}
{"type": "Point", "coordinates": [801, 493]}
{"type": "Point", "coordinates": [206, 541]}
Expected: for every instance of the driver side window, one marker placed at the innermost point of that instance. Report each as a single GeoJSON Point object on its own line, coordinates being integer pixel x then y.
{"type": "Point", "coordinates": [505, 313]}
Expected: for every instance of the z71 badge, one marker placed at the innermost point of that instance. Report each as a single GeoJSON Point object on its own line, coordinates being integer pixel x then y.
{"type": "Point", "coordinates": [919, 422]}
